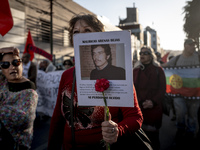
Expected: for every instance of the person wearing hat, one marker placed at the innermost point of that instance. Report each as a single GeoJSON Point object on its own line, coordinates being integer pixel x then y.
{"type": "Point", "coordinates": [183, 106]}
{"type": "Point", "coordinates": [189, 56]}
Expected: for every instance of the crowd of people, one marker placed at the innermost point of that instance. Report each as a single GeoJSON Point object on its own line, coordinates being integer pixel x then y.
{"type": "Point", "coordinates": [19, 100]}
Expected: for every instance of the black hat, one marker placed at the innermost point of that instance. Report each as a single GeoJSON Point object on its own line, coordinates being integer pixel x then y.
{"type": "Point", "coordinates": [190, 41]}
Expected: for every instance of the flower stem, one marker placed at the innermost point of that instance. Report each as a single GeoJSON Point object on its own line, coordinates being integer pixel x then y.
{"type": "Point", "coordinates": [106, 112]}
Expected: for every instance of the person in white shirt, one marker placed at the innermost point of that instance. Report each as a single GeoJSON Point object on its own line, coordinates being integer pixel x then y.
{"type": "Point", "coordinates": [184, 106]}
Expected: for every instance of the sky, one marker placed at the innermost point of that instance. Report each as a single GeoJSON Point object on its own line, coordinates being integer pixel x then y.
{"type": "Point", "coordinates": [166, 17]}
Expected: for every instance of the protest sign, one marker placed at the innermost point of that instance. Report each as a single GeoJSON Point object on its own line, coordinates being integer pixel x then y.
{"type": "Point", "coordinates": [183, 81]}
{"type": "Point", "coordinates": [104, 55]}
{"type": "Point", "coordinates": [47, 89]}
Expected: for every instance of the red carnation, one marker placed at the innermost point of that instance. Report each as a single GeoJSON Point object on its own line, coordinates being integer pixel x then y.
{"type": "Point", "coordinates": [101, 85]}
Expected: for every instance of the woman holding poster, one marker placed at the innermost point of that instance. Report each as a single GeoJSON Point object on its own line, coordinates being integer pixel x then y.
{"type": "Point", "coordinates": [150, 84]}
{"type": "Point", "coordinates": [90, 127]}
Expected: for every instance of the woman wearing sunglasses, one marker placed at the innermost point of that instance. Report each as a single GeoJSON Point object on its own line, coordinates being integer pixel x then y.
{"type": "Point", "coordinates": [18, 101]}
{"type": "Point", "coordinates": [150, 84]}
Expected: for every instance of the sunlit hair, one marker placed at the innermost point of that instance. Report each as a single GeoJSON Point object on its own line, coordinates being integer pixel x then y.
{"type": "Point", "coordinates": [91, 20]}
{"type": "Point", "coordinates": [153, 56]}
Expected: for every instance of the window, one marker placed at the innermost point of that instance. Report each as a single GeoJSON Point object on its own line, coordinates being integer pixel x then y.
{"type": "Point", "coordinates": [66, 37]}
{"type": "Point", "coordinates": [45, 30]}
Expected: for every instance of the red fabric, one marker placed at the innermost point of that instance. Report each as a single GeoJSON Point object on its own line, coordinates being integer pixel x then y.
{"type": "Point", "coordinates": [164, 58]}
{"type": "Point", "coordinates": [60, 132]}
{"type": "Point", "coordinates": [29, 41]}
{"type": "Point", "coordinates": [40, 52]}
{"type": "Point", "coordinates": [6, 20]}
{"type": "Point", "coordinates": [150, 84]}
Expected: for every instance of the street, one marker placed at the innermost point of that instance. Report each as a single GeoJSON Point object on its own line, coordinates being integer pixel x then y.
{"type": "Point", "coordinates": [40, 134]}
{"type": "Point", "coordinates": [167, 134]}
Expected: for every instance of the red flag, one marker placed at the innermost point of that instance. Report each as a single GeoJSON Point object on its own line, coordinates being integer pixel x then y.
{"type": "Point", "coordinates": [40, 51]}
{"type": "Point", "coordinates": [164, 58]}
{"type": "Point", "coordinates": [29, 41]}
{"type": "Point", "coordinates": [6, 20]}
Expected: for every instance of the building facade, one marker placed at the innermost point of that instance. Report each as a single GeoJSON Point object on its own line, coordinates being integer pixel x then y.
{"type": "Point", "coordinates": [155, 40]}
{"type": "Point", "coordinates": [35, 15]}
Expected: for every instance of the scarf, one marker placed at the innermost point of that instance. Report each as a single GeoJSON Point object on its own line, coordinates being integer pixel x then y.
{"type": "Point", "coordinates": [17, 112]}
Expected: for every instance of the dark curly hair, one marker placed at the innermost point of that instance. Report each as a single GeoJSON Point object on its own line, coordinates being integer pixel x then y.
{"type": "Point", "coordinates": [91, 20]}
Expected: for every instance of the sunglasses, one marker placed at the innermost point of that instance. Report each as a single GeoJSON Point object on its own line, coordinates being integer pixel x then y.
{"type": "Point", "coordinates": [6, 64]}
{"type": "Point", "coordinates": [145, 53]}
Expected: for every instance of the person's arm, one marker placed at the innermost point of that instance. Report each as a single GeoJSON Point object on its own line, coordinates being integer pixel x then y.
{"type": "Point", "coordinates": [132, 121]}
{"type": "Point", "coordinates": [171, 62]}
{"type": "Point", "coordinates": [164, 65]}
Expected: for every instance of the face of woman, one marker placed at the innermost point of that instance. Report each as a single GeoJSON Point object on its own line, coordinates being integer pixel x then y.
{"type": "Point", "coordinates": [12, 73]}
{"type": "Point", "coordinates": [145, 56]}
{"type": "Point", "coordinates": [82, 27]}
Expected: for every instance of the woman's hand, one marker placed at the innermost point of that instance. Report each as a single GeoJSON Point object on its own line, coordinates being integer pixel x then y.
{"type": "Point", "coordinates": [13, 50]}
{"type": "Point", "coordinates": [110, 131]}
{"type": "Point", "coordinates": [147, 104]}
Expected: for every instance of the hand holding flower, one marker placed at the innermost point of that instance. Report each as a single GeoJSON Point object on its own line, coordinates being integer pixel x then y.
{"type": "Point", "coordinates": [108, 126]}
{"type": "Point", "coordinates": [110, 131]}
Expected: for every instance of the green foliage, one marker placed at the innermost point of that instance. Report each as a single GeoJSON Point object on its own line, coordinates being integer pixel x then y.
{"type": "Point", "coordinates": [192, 19]}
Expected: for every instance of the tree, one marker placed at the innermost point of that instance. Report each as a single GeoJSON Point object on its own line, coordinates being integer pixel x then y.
{"type": "Point", "coordinates": [192, 20]}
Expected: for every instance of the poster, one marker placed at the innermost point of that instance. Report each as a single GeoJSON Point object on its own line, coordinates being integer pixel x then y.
{"type": "Point", "coordinates": [104, 55]}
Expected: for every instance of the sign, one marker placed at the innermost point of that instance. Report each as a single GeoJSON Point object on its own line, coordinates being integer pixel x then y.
{"type": "Point", "coordinates": [104, 55]}
{"type": "Point", "coordinates": [47, 89]}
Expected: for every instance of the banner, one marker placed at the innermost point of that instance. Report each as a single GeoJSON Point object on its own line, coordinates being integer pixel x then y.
{"type": "Point", "coordinates": [40, 51]}
{"type": "Point", "coordinates": [183, 81]}
{"type": "Point", "coordinates": [47, 89]}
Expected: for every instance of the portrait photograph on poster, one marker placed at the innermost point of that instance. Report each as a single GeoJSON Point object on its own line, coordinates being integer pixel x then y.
{"type": "Point", "coordinates": [104, 55]}
{"type": "Point", "coordinates": [102, 61]}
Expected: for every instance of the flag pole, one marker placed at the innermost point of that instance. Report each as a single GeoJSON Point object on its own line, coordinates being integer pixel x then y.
{"type": "Point", "coordinates": [51, 28]}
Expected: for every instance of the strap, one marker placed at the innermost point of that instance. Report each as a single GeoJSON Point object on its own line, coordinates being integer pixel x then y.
{"type": "Point", "coordinates": [72, 112]}
{"type": "Point", "coordinates": [177, 57]}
